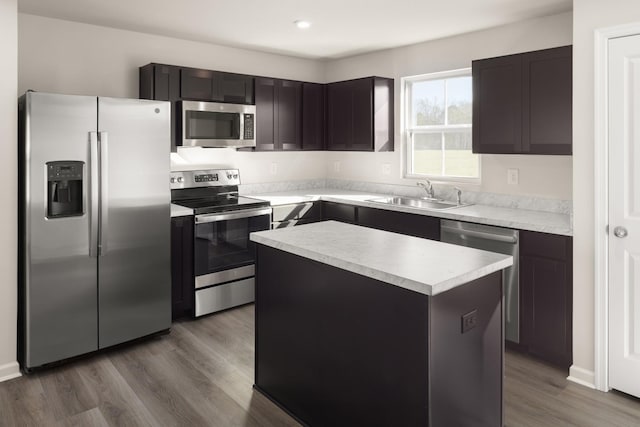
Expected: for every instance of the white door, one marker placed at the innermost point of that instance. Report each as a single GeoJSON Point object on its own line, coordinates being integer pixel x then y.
{"type": "Point", "coordinates": [624, 214]}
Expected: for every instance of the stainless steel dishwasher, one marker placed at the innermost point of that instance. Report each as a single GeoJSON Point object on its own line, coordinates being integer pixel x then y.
{"type": "Point", "coordinates": [493, 239]}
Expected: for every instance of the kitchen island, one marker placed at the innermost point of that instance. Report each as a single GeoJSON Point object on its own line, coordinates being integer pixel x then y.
{"type": "Point", "coordinates": [356, 326]}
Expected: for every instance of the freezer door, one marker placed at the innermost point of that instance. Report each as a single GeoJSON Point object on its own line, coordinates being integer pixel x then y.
{"type": "Point", "coordinates": [58, 275]}
{"type": "Point", "coordinates": [134, 276]}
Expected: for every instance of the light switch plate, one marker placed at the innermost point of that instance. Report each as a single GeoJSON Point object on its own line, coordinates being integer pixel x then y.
{"type": "Point", "coordinates": [386, 169]}
{"type": "Point", "coordinates": [336, 166]}
{"type": "Point", "coordinates": [273, 168]}
{"type": "Point", "coordinates": [512, 176]}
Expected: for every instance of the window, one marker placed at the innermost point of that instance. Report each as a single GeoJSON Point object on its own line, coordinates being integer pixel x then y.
{"type": "Point", "coordinates": [437, 118]}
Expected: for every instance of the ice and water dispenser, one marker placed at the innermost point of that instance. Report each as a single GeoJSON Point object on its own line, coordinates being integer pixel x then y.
{"type": "Point", "coordinates": [64, 189]}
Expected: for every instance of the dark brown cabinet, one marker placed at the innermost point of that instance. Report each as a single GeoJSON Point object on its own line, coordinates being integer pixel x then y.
{"type": "Point", "coordinates": [296, 214]}
{"type": "Point", "coordinates": [160, 82]}
{"type": "Point", "coordinates": [522, 104]}
{"type": "Point", "coordinates": [546, 296]}
{"type": "Point", "coordinates": [198, 85]}
{"type": "Point", "coordinates": [182, 276]}
{"type": "Point", "coordinates": [215, 86]}
{"type": "Point", "coordinates": [278, 114]}
{"type": "Point", "coordinates": [313, 116]}
{"type": "Point", "coordinates": [423, 226]}
{"type": "Point", "coordinates": [339, 212]}
{"type": "Point", "coordinates": [360, 115]}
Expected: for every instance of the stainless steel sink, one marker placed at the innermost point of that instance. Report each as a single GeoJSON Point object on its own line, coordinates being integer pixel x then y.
{"type": "Point", "coordinates": [429, 204]}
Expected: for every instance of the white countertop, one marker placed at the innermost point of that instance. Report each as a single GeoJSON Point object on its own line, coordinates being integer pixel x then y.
{"type": "Point", "coordinates": [421, 265]}
{"type": "Point", "coordinates": [177, 210]}
{"type": "Point", "coordinates": [522, 219]}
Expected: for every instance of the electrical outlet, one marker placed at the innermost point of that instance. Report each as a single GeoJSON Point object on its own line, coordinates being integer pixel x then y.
{"type": "Point", "coordinates": [469, 320]}
{"type": "Point", "coordinates": [336, 166]}
{"type": "Point", "coordinates": [386, 169]}
{"type": "Point", "coordinates": [512, 176]}
{"type": "Point", "coordinates": [273, 168]}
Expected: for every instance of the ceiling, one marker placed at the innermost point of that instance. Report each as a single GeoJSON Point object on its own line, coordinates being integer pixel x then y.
{"type": "Point", "coordinates": [339, 28]}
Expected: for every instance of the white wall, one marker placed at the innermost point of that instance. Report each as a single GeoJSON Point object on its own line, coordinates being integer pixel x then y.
{"type": "Point", "coordinates": [588, 16]}
{"type": "Point", "coordinates": [545, 176]}
{"type": "Point", "coordinates": [8, 189]}
{"type": "Point", "coordinates": [68, 57]}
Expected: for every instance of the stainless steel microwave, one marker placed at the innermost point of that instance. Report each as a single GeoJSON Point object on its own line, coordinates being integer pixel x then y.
{"type": "Point", "coordinates": [216, 124]}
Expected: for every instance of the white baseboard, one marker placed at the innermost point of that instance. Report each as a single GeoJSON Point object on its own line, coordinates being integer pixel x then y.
{"type": "Point", "coordinates": [9, 371]}
{"type": "Point", "coordinates": [582, 376]}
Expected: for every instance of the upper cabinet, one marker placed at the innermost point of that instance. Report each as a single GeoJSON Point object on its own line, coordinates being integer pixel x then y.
{"type": "Point", "coordinates": [278, 114]}
{"type": "Point", "coordinates": [353, 115]}
{"type": "Point", "coordinates": [216, 86]}
{"type": "Point", "coordinates": [360, 115]}
{"type": "Point", "coordinates": [313, 116]}
{"type": "Point", "coordinates": [172, 83]}
{"type": "Point", "coordinates": [522, 104]}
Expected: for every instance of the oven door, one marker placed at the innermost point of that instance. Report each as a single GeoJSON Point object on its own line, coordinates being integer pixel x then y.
{"type": "Point", "coordinates": [211, 124]}
{"type": "Point", "coordinates": [223, 251]}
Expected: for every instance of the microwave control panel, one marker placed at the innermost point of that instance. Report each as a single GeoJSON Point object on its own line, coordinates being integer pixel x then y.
{"type": "Point", "coordinates": [249, 126]}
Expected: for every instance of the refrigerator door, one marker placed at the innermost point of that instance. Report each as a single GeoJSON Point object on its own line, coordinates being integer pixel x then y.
{"type": "Point", "coordinates": [134, 276]}
{"type": "Point", "coordinates": [58, 275]}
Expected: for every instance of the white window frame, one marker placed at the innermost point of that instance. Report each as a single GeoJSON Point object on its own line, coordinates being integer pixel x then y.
{"type": "Point", "coordinates": [407, 130]}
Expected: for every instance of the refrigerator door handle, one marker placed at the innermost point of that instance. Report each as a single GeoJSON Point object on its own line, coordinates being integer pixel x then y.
{"type": "Point", "coordinates": [103, 138]}
{"type": "Point", "coordinates": [94, 194]}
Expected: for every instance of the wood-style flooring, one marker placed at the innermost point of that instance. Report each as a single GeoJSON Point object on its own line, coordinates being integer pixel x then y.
{"type": "Point", "coordinates": [201, 374]}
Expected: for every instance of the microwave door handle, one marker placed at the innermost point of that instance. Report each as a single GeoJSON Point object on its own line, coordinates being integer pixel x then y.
{"type": "Point", "coordinates": [94, 194]}
{"type": "Point", "coordinates": [225, 216]}
{"type": "Point", "coordinates": [103, 139]}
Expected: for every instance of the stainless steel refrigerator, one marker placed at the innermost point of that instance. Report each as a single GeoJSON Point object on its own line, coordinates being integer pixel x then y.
{"type": "Point", "coordinates": [94, 224]}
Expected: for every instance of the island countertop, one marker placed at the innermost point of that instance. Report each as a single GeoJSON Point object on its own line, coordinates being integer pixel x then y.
{"type": "Point", "coordinates": [425, 266]}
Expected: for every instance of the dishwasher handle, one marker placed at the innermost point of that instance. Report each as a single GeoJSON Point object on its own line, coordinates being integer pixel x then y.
{"type": "Point", "coordinates": [480, 234]}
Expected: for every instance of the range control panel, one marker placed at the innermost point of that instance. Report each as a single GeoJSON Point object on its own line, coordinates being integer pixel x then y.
{"type": "Point", "coordinates": [204, 178]}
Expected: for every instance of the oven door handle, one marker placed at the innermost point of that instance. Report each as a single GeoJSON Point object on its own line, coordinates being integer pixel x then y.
{"type": "Point", "coordinates": [225, 216]}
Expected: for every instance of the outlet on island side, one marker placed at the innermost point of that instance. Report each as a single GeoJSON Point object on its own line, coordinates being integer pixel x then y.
{"type": "Point", "coordinates": [469, 320]}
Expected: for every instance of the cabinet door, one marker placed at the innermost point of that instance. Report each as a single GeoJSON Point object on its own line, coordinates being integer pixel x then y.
{"type": "Point", "coordinates": [547, 101]}
{"type": "Point", "coordinates": [339, 212]}
{"type": "Point", "coordinates": [399, 222]}
{"type": "Point", "coordinates": [313, 111]}
{"type": "Point", "coordinates": [289, 108]}
{"type": "Point", "coordinates": [265, 114]}
{"type": "Point", "coordinates": [546, 296]}
{"type": "Point", "coordinates": [182, 279]}
{"type": "Point", "coordinates": [497, 105]}
{"type": "Point", "coordinates": [362, 96]}
{"type": "Point", "coordinates": [235, 88]}
{"type": "Point", "coordinates": [340, 115]}
{"type": "Point", "coordinates": [198, 84]}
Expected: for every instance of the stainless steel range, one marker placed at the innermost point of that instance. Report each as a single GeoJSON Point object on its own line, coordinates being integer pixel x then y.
{"type": "Point", "coordinates": [224, 257]}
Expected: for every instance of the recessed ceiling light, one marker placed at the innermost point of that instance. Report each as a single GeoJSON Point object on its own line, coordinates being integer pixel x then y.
{"type": "Point", "coordinates": [302, 24]}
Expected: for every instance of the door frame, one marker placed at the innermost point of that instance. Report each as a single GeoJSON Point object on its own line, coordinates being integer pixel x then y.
{"type": "Point", "coordinates": [601, 195]}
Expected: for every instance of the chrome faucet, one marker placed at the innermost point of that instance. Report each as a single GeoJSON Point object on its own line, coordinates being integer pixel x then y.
{"type": "Point", "coordinates": [458, 195]}
{"type": "Point", "coordinates": [428, 187]}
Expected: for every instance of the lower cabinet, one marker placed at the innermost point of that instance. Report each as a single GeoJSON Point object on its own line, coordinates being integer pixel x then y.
{"type": "Point", "coordinates": [546, 296]}
{"type": "Point", "coordinates": [339, 212]}
{"type": "Point", "coordinates": [427, 227]}
{"type": "Point", "coordinates": [182, 278]}
{"type": "Point", "coordinates": [397, 222]}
